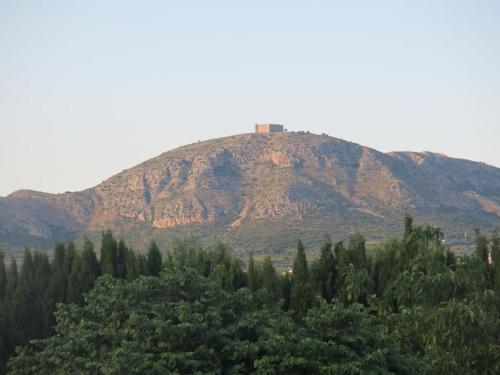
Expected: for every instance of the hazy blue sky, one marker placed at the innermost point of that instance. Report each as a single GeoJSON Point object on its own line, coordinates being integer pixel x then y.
{"type": "Point", "coordinates": [88, 88]}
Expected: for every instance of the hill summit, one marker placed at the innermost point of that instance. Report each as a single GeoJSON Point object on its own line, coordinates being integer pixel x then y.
{"type": "Point", "coordinates": [262, 192]}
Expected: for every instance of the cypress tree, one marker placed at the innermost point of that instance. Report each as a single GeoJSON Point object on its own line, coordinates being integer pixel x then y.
{"type": "Point", "coordinates": [74, 292]}
{"type": "Point", "coordinates": [286, 291]}
{"type": "Point", "coordinates": [252, 274]}
{"type": "Point", "coordinates": [341, 260]}
{"type": "Point", "coordinates": [27, 268]}
{"type": "Point", "coordinates": [482, 247]}
{"type": "Point", "coordinates": [132, 270]}
{"type": "Point", "coordinates": [42, 271]}
{"type": "Point", "coordinates": [482, 252]}
{"type": "Point", "coordinates": [24, 316]}
{"type": "Point", "coordinates": [70, 274]}
{"type": "Point", "coordinates": [154, 259]}
{"type": "Point", "coordinates": [89, 269]}
{"type": "Point", "coordinates": [410, 244]}
{"type": "Point", "coordinates": [301, 293]}
{"type": "Point", "coordinates": [326, 271]}
{"type": "Point", "coordinates": [340, 254]}
{"type": "Point", "coordinates": [58, 281]}
{"type": "Point", "coordinates": [495, 256]}
{"type": "Point", "coordinates": [356, 250]}
{"type": "Point", "coordinates": [41, 308]}
{"type": "Point", "coordinates": [142, 264]}
{"type": "Point", "coordinates": [70, 258]}
{"type": "Point", "coordinates": [59, 255]}
{"type": "Point", "coordinates": [109, 254]}
{"type": "Point", "coordinates": [269, 278]}
{"type": "Point", "coordinates": [408, 225]}
{"type": "Point", "coordinates": [300, 268]}
{"type": "Point", "coordinates": [3, 278]}
{"type": "Point", "coordinates": [57, 290]}
{"type": "Point", "coordinates": [12, 279]}
{"type": "Point", "coordinates": [495, 248]}
{"type": "Point", "coordinates": [234, 277]}
{"type": "Point", "coordinates": [121, 256]}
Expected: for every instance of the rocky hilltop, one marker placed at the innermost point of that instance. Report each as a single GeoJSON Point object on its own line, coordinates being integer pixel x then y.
{"type": "Point", "coordinates": [261, 192]}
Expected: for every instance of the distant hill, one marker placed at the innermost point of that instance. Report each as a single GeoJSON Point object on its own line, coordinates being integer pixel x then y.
{"type": "Point", "coordinates": [262, 192]}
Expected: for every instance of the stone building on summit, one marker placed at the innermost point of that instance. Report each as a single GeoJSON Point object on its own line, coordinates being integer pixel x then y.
{"type": "Point", "coordinates": [268, 128]}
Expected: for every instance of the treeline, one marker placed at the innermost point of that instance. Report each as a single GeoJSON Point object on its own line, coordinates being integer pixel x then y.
{"type": "Point", "coordinates": [29, 293]}
{"type": "Point", "coordinates": [406, 306]}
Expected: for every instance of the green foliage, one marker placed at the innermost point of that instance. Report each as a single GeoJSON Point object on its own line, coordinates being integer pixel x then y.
{"type": "Point", "coordinates": [384, 262]}
{"type": "Point", "coordinates": [109, 254]}
{"type": "Point", "coordinates": [325, 271]}
{"type": "Point", "coordinates": [355, 285]}
{"type": "Point", "coordinates": [456, 336]}
{"type": "Point", "coordinates": [495, 256]}
{"type": "Point", "coordinates": [406, 306]}
{"type": "Point", "coordinates": [184, 323]}
{"type": "Point", "coordinates": [252, 274]}
{"type": "Point", "coordinates": [356, 251]}
{"type": "Point", "coordinates": [270, 281]}
{"type": "Point", "coordinates": [154, 260]}
{"type": "Point", "coordinates": [3, 278]}
{"type": "Point", "coordinates": [33, 292]}
{"type": "Point", "coordinates": [302, 295]}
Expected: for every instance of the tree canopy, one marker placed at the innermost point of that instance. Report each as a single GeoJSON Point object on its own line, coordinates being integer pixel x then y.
{"type": "Point", "coordinates": [407, 305]}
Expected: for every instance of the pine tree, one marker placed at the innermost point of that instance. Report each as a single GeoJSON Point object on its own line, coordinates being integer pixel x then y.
{"type": "Point", "coordinates": [154, 260]}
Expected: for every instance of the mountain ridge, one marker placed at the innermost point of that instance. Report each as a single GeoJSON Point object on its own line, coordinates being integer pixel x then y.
{"type": "Point", "coordinates": [276, 184]}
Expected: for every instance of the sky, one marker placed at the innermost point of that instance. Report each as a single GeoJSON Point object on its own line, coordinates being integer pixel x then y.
{"type": "Point", "coordinates": [89, 88]}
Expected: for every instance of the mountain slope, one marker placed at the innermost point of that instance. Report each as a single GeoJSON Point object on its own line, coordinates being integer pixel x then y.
{"type": "Point", "coordinates": [261, 192]}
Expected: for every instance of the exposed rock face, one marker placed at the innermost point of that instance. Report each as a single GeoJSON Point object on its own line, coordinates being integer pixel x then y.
{"type": "Point", "coordinates": [282, 181]}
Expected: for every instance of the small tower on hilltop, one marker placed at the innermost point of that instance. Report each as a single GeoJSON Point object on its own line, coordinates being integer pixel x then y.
{"type": "Point", "coordinates": [269, 128]}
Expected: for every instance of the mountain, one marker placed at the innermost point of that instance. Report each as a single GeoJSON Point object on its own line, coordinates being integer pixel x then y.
{"type": "Point", "coordinates": [262, 192]}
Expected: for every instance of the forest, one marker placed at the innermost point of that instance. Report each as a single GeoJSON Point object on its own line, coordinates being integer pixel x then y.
{"type": "Point", "coordinates": [408, 305]}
